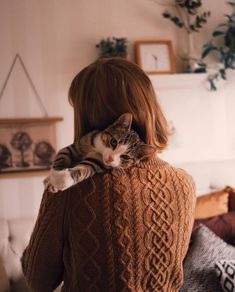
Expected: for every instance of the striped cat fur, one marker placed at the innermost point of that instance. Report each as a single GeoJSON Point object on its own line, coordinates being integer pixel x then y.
{"type": "Point", "coordinates": [118, 146]}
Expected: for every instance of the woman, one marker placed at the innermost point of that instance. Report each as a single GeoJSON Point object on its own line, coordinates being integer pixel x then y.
{"type": "Point", "coordinates": [115, 232]}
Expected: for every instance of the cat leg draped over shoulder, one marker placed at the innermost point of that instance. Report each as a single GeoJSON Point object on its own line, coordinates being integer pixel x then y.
{"type": "Point", "coordinates": [58, 180]}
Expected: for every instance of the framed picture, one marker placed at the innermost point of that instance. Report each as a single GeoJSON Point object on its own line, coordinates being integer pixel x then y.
{"type": "Point", "coordinates": [27, 145]}
{"type": "Point", "coordinates": [155, 57]}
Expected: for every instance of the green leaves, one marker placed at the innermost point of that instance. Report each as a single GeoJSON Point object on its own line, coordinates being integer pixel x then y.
{"type": "Point", "coordinates": [231, 3]}
{"type": "Point", "coordinates": [112, 47]}
{"type": "Point", "coordinates": [175, 19]}
{"type": "Point", "coordinates": [230, 18]}
{"type": "Point", "coordinates": [217, 33]}
{"type": "Point", "coordinates": [208, 48]}
{"type": "Point", "coordinates": [188, 8]}
{"type": "Point", "coordinates": [223, 43]}
{"type": "Point", "coordinates": [199, 21]}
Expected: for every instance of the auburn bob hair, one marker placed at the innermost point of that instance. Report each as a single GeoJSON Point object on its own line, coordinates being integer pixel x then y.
{"type": "Point", "coordinates": [107, 88]}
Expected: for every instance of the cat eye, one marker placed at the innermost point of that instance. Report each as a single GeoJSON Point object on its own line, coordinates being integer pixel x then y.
{"type": "Point", "coordinates": [113, 142]}
{"type": "Point", "coordinates": [125, 157]}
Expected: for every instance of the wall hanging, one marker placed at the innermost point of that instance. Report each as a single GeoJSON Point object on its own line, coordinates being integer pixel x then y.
{"type": "Point", "coordinates": [155, 57]}
{"type": "Point", "coordinates": [27, 145]}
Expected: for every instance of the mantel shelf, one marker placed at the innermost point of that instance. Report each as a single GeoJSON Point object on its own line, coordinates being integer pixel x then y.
{"type": "Point", "coordinates": [181, 80]}
{"type": "Point", "coordinates": [189, 80]}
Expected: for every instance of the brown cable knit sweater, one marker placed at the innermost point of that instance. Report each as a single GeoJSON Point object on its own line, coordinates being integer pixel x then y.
{"type": "Point", "coordinates": [114, 232]}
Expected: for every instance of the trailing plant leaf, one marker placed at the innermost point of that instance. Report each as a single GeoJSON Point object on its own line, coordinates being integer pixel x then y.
{"type": "Point", "coordinates": [223, 74]}
{"type": "Point", "coordinates": [231, 3]}
{"type": "Point", "coordinates": [230, 18]}
{"type": "Point", "coordinates": [208, 49]}
{"type": "Point", "coordinates": [173, 18]}
{"type": "Point", "coordinates": [217, 33]}
{"type": "Point", "coordinates": [199, 21]}
{"type": "Point", "coordinates": [190, 7]}
{"type": "Point", "coordinates": [212, 80]}
{"type": "Point", "coordinates": [187, 14]}
{"type": "Point", "coordinates": [223, 42]}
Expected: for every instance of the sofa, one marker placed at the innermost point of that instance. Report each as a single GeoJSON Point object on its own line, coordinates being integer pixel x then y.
{"type": "Point", "coordinates": [14, 237]}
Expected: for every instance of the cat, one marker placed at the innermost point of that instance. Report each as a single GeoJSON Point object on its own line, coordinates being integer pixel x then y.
{"type": "Point", "coordinates": [118, 146]}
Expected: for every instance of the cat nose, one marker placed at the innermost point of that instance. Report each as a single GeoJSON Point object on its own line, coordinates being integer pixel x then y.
{"type": "Point", "coordinates": [110, 158]}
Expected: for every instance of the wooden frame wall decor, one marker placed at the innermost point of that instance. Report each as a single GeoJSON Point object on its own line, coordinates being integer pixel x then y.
{"type": "Point", "coordinates": [156, 56]}
{"type": "Point", "coordinates": [27, 145]}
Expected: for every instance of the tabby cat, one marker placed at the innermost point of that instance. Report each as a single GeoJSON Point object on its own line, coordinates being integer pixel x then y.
{"type": "Point", "coordinates": [118, 146]}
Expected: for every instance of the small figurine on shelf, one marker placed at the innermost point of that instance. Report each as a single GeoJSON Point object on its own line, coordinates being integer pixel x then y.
{"type": "Point", "coordinates": [112, 47]}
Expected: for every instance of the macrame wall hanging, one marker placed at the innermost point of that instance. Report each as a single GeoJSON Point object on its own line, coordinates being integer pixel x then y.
{"type": "Point", "coordinates": [27, 145]}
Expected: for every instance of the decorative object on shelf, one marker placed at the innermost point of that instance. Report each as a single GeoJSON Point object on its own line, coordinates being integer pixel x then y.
{"type": "Point", "coordinates": [222, 46]}
{"type": "Point", "coordinates": [155, 57]}
{"type": "Point", "coordinates": [188, 15]}
{"type": "Point", "coordinates": [26, 144]}
{"type": "Point", "coordinates": [112, 47]}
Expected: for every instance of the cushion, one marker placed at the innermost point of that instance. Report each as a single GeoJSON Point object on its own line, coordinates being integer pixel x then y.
{"type": "Point", "coordinates": [231, 203]}
{"type": "Point", "coordinates": [4, 283]}
{"type": "Point", "coordinates": [212, 204]}
{"type": "Point", "coordinates": [19, 285]}
{"type": "Point", "coordinates": [222, 225]}
{"type": "Point", "coordinates": [199, 266]}
{"type": "Point", "coordinates": [225, 270]}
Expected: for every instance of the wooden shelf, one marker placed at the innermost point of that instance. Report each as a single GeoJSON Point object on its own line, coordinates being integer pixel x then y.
{"type": "Point", "coordinates": [24, 174]}
{"type": "Point", "coordinates": [30, 120]}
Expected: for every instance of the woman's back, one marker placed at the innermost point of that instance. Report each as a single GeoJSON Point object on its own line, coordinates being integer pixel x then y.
{"type": "Point", "coordinates": [118, 231]}
{"type": "Point", "coordinates": [125, 232]}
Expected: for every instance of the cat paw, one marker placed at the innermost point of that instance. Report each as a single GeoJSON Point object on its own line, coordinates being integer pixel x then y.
{"type": "Point", "coordinates": [48, 186]}
{"type": "Point", "coordinates": [60, 180]}
{"type": "Point", "coordinates": [52, 189]}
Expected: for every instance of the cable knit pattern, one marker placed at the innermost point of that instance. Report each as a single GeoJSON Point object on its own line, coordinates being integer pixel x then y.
{"type": "Point", "coordinates": [89, 268]}
{"type": "Point", "coordinates": [158, 215]}
{"type": "Point", "coordinates": [118, 232]}
{"type": "Point", "coordinates": [108, 236]}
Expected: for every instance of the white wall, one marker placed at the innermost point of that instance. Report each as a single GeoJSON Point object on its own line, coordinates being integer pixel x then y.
{"type": "Point", "coordinates": [56, 39]}
{"type": "Point", "coordinates": [204, 120]}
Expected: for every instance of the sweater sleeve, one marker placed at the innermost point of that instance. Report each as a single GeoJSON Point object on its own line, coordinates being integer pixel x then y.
{"type": "Point", "coordinates": [42, 260]}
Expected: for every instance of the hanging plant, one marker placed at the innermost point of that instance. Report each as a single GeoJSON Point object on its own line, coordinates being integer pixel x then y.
{"type": "Point", "coordinates": [112, 47]}
{"type": "Point", "coordinates": [189, 16]}
{"type": "Point", "coordinates": [222, 45]}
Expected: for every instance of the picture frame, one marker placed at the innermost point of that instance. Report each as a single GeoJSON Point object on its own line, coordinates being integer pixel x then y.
{"type": "Point", "coordinates": [27, 145]}
{"type": "Point", "coordinates": [155, 56]}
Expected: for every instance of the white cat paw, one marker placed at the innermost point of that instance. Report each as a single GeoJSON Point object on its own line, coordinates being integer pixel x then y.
{"type": "Point", "coordinates": [60, 180]}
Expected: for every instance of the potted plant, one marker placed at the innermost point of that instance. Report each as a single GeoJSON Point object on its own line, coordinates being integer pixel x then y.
{"type": "Point", "coordinates": [222, 46]}
{"type": "Point", "coordinates": [112, 47]}
{"type": "Point", "coordinates": [189, 16]}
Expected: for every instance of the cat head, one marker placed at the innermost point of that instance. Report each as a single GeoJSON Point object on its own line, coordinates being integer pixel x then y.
{"type": "Point", "coordinates": [121, 146]}
{"type": "Point", "coordinates": [136, 150]}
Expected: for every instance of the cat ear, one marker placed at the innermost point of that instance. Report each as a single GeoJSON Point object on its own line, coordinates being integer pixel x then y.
{"type": "Point", "coordinates": [145, 151]}
{"type": "Point", "coordinates": [124, 121]}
